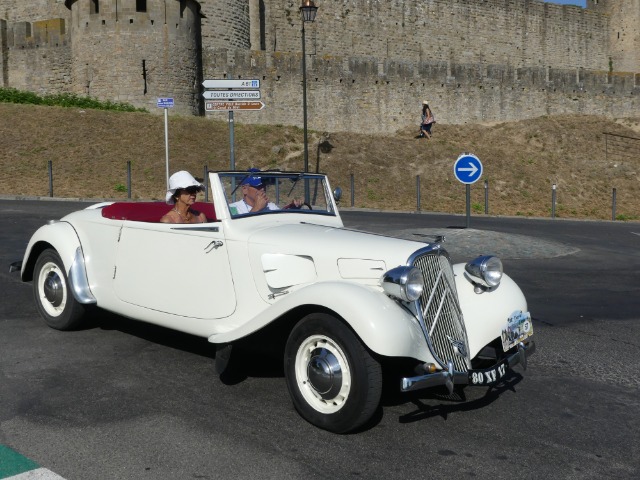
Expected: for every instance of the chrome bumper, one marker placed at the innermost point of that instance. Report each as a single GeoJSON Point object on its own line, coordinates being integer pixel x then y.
{"type": "Point", "coordinates": [449, 377]}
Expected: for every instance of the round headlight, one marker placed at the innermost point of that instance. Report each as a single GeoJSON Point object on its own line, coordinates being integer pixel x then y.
{"type": "Point", "coordinates": [414, 285]}
{"type": "Point", "coordinates": [486, 270]}
{"type": "Point", "coordinates": [405, 283]}
{"type": "Point", "coordinates": [493, 271]}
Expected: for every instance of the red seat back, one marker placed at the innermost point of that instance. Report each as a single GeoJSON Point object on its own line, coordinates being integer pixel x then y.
{"type": "Point", "coordinates": [150, 211]}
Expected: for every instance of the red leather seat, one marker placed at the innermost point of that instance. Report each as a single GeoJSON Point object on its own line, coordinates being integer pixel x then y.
{"type": "Point", "coordinates": [150, 211]}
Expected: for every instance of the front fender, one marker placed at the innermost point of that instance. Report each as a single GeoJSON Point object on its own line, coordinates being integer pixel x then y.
{"type": "Point", "coordinates": [62, 237]}
{"type": "Point", "coordinates": [384, 326]}
{"type": "Point", "coordinates": [485, 314]}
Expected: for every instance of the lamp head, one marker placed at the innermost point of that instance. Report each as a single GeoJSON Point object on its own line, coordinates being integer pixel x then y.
{"type": "Point", "coordinates": [308, 10]}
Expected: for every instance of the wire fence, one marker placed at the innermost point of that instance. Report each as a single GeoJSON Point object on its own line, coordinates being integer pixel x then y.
{"type": "Point", "coordinates": [620, 146]}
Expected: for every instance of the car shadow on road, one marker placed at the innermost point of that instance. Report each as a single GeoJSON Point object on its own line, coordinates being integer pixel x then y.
{"type": "Point", "coordinates": [439, 403]}
{"type": "Point", "coordinates": [252, 357]}
{"type": "Point", "coordinates": [152, 333]}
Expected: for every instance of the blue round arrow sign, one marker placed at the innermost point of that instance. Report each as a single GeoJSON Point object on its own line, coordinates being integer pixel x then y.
{"type": "Point", "coordinates": [468, 168]}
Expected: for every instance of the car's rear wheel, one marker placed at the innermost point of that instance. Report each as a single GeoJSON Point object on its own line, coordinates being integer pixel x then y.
{"type": "Point", "coordinates": [333, 380]}
{"type": "Point", "coordinates": [52, 293]}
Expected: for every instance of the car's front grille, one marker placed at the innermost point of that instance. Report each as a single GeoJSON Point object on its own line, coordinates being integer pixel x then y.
{"type": "Point", "coordinates": [439, 311]}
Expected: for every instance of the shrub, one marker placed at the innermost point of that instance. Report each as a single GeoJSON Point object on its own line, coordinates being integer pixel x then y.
{"type": "Point", "coordinates": [12, 95]}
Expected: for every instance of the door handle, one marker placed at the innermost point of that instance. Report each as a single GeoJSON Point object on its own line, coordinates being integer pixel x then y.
{"type": "Point", "coordinates": [213, 245]}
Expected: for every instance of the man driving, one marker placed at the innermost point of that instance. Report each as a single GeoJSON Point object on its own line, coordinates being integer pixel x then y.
{"type": "Point", "coordinates": [254, 196]}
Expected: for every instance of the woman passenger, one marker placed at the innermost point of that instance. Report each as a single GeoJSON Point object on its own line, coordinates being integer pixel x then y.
{"type": "Point", "coordinates": [182, 192]}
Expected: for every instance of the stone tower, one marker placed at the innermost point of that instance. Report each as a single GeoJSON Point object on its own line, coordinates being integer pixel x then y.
{"type": "Point", "coordinates": [135, 51]}
{"type": "Point", "coordinates": [226, 23]}
{"type": "Point", "coordinates": [624, 32]}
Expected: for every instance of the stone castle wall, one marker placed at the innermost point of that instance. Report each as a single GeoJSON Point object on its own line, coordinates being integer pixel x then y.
{"type": "Point", "coordinates": [510, 32]}
{"type": "Point", "coordinates": [624, 36]}
{"type": "Point", "coordinates": [32, 10]}
{"type": "Point", "coordinates": [225, 23]}
{"type": "Point", "coordinates": [354, 94]}
{"type": "Point", "coordinates": [370, 62]}
{"type": "Point", "coordinates": [124, 55]}
{"type": "Point", "coordinates": [36, 56]}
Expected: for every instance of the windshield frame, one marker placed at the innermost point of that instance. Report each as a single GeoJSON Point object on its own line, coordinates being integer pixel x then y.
{"type": "Point", "coordinates": [230, 182]}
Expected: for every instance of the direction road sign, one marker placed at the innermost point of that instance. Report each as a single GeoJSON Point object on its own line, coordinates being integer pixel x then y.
{"type": "Point", "coordinates": [232, 94]}
{"type": "Point", "coordinates": [231, 83]}
{"type": "Point", "coordinates": [214, 106]}
{"type": "Point", "coordinates": [468, 168]}
{"type": "Point", "coordinates": [165, 102]}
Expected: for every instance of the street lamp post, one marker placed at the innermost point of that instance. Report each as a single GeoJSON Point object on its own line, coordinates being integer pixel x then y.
{"type": "Point", "coordinates": [308, 11]}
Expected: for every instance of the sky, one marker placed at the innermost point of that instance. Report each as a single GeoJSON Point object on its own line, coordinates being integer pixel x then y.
{"type": "Point", "coordinates": [581, 3]}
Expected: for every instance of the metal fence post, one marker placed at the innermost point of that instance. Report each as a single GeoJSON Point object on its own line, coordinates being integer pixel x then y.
{"type": "Point", "coordinates": [553, 201]}
{"type": "Point", "coordinates": [418, 192]}
{"type": "Point", "coordinates": [486, 197]}
{"type": "Point", "coordinates": [613, 205]}
{"type": "Point", "coordinates": [50, 169]}
{"type": "Point", "coordinates": [129, 179]}
{"type": "Point", "coordinates": [353, 194]}
{"type": "Point", "coordinates": [467, 189]}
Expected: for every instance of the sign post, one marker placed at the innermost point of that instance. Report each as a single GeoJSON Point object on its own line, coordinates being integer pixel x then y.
{"type": "Point", "coordinates": [229, 96]}
{"type": "Point", "coordinates": [468, 170]}
{"type": "Point", "coordinates": [166, 103]}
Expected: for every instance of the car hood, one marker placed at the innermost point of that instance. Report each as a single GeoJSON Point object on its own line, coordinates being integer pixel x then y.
{"type": "Point", "coordinates": [303, 253]}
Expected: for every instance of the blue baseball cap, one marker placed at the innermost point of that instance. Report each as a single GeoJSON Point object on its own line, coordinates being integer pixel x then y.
{"type": "Point", "coordinates": [252, 180]}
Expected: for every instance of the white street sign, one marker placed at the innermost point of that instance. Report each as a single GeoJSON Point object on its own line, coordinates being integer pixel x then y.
{"type": "Point", "coordinates": [251, 83]}
{"type": "Point", "coordinates": [232, 94]}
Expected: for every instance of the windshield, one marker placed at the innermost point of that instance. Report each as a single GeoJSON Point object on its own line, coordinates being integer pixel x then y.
{"type": "Point", "coordinates": [256, 192]}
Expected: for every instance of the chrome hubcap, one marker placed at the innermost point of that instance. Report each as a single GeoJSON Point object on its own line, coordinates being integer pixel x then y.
{"type": "Point", "coordinates": [324, 373]}
{"type": "Point", "coordinates": [53, 289]}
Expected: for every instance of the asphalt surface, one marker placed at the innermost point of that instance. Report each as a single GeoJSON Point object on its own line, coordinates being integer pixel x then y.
{"type": "Point", "coordinates": [126, 400]}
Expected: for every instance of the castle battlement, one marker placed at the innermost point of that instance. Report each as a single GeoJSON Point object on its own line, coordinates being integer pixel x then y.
{"type": "Point", "coordinates": [126, 17]}
{"type": "Point", "coordinates": [44, 33]}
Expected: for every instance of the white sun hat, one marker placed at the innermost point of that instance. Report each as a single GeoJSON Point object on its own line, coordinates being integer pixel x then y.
{"type": "Point", "coordinates": [178, 180]}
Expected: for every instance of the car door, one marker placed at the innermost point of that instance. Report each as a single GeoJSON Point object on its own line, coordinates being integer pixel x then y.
{"type": "Point", "coordinates": [178, 269]}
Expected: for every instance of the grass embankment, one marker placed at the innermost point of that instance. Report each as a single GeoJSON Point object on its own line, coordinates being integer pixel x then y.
{"type": "Point", "coordinates": [90, 148]}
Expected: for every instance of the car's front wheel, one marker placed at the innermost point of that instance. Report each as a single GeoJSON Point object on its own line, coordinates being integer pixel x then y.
{"type": "Point", "coordinates": [53, 295]}
{"type": "Point", "coordinates": [333, 380]}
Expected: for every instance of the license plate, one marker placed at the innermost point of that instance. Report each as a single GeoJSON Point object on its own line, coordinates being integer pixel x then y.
{"type": "Point", "coordinates": [489, 375]}
{"type": "Point", "coordinates": [517, 328]}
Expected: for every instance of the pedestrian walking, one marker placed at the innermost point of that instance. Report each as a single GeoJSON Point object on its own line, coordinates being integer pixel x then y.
{"type": "Point", "coordinates": [427, 120]}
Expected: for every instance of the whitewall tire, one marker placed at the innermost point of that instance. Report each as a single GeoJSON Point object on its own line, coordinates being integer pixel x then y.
{"type": "Point", "coordinates": [333, 380]}
{"type": "Point", "coordinates": [53, 295]}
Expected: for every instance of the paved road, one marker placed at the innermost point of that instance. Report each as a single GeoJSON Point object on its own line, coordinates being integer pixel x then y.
{"type": "Point", "coordinates": [125, 400]}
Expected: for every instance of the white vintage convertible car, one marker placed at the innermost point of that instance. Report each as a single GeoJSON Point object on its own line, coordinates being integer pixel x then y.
{"type": "Point", "coordinates": [346, 301]}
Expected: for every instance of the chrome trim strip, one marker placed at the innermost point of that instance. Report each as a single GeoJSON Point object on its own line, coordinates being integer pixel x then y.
{"type": "Point", "coordinates": [442, 300]}
{"type": "Point", "coordinates": [79, 281]}
{"type": "Point", "coordinates": [197, 229]}
{"type": "Point", "coordinates": [433, 292]}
